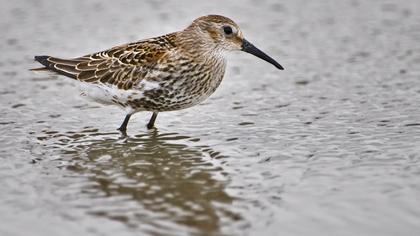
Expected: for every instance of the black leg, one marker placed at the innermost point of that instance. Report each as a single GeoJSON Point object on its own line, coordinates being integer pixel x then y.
{"type": "Point", "coordinates": [123, 126]}
{"type": "Point", "coordinates": [151, 123]}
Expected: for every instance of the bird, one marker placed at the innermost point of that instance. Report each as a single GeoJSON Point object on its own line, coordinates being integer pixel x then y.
{"type": "Point", "coordinates": [165, 73]}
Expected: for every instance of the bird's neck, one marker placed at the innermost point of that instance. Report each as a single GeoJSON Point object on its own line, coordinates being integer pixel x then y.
{"type": "Point", "coordinates": [198, 44]}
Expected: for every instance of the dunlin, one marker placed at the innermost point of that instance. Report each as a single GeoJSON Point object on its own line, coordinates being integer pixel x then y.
{"type": "Point", "coordinates": [165, 73]}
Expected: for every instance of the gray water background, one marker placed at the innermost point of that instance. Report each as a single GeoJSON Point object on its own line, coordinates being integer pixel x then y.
{"type": "Point", "coordinates": [330, 146]}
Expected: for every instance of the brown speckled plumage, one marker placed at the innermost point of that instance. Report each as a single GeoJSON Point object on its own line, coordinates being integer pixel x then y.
{"type": "Point", "coordinates": [170, 72]}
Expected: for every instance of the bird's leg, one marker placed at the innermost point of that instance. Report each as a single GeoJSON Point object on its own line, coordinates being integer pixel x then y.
{"type": "Point", "coordinates": [123, 126]}
{"type": "Point", "coordinates": [151, 123]}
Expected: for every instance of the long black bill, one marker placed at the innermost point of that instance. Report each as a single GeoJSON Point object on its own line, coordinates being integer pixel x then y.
{"type": "Point", "coordinates": [249, 48]}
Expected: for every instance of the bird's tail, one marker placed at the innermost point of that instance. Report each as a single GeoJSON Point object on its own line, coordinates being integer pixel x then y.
{"type": "Point", "coordinates": [44, 61]}
{"type": "Point", "coordinates": [58, 65]}
{"type": "Point", "coordinates": [39, 69]}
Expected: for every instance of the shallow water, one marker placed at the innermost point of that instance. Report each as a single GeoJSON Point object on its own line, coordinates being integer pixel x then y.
{"type": "Point", "coordinates": [330, 146]}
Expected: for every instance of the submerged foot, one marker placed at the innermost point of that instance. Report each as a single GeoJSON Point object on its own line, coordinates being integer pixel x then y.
{"type": "Point", "coordinates": [122, 129]}
{"type": "Point", "coordinates": [123, 132]}
{"type": "Point", "coordinates": [152, 120]}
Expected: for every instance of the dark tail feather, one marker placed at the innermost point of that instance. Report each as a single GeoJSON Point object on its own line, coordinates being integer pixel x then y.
{"type": "Point", "coordinates": [40, 69]}
{"type": "Point", "coordinates": [50, 65]}
{"type": "Point", "coordinates": [43, 60]}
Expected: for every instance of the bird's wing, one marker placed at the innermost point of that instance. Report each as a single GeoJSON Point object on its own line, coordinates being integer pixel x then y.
{"type": "Point", "coordinates": [123, 66]}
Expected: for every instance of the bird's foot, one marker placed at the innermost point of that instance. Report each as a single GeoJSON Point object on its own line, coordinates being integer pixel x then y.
{"type": "Point", "coordinates": [123, 132]}
{"type": "Point", "coordinates": [124, 135]}
{"type": "Point", "coordinates": [122, 129]}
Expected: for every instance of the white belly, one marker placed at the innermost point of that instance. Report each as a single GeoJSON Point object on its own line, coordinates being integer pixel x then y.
{"type": "Point", "coordinates": [112, 95]}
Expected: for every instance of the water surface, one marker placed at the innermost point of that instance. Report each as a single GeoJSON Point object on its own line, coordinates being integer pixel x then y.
{"type": "Point", "coordinates": [330, 146]}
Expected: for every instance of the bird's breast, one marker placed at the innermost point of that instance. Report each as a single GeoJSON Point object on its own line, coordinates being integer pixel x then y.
{"type": "Point", "coordinates": [181, 85]}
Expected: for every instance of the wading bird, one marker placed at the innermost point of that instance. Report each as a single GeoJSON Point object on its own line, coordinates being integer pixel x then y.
{"type": "Point", "coordinates": [165, 73]}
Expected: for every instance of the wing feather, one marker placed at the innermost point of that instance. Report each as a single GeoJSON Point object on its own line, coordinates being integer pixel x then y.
{"type": "Point", "coordinates": [123, 66]}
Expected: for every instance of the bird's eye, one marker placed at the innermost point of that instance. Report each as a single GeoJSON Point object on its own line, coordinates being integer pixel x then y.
{"type": "Point", "coordinates": [228, 30]}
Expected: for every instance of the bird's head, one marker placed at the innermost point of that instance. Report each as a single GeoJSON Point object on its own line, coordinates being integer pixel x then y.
{"type": "Point", "coordinates": [219, 33]}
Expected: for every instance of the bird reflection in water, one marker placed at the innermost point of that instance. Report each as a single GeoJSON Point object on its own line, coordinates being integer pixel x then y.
{"type": "Point", "coordinates": [157, 182]}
